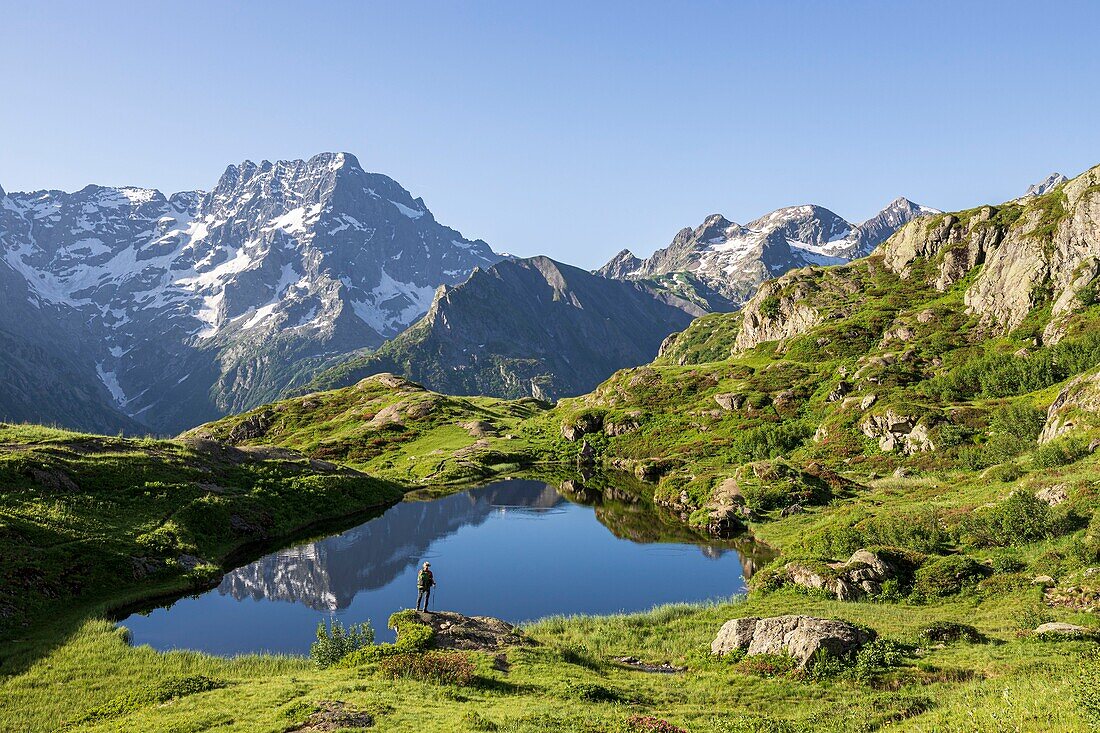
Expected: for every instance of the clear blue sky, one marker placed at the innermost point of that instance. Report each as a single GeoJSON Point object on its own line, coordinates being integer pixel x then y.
{"type": "Point", "coordinates": [570, 129]}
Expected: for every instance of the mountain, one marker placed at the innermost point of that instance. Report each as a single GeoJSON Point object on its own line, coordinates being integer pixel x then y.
{"type": "Point", "coordinates": [1046, 185]}
{"type": "Point", "coordinates": [527, 327]}
{"type": "Point", "coordinates": [732, 260]}
{"type": "Point", "coordinates": [187, 307]}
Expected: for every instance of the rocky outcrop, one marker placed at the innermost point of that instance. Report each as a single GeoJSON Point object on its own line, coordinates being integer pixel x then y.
{"type": "Point", "coordinates": [1042, 246]}
{"type": "Point", "coordinates": [1076, 407]}
{"type": "Point", "coordinates": [800, 637]}
{"type": "Point", "coordinates": [468, 633]}
{"type": "Point", "coordinates": [895, 431]}
{"type": "Point", "coordinates": [862, 575]}
{"type": "Point", "coordinates": [779, 310]}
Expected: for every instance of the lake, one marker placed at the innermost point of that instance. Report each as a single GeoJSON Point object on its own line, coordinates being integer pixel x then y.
{"type": "Point", "coordinates": [518, 550]}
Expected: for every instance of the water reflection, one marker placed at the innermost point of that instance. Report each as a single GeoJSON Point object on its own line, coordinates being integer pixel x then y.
{"type": "Point", "coordinates": [327, 575]}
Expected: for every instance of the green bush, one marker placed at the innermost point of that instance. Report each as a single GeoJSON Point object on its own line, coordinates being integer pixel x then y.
{"type": "Point", "coordinates": [1091, 541]}
{"type": "Point", "coordinates": [940, 632]}
{"type": "Point", "coordinates": [946, 576]}
{"type": "Point", "coordinates": [444, 668]}
{"type": "Point", "coordinates": [336, 642]}
{"type": "Point", "coordinates": [875, 658]}
{"type": "Point", "coordinates": [1019, 519]}
{"type": "Point", "coordinates": [1018, 421]}
{"type": "Point", "coordinates": [590, 692]}
{"type": "Point", "coordinates": [1059, 452]}
{"type": "Point", "coordinates": [770, 440]}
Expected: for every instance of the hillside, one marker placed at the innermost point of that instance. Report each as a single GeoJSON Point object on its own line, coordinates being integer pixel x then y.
{"type": "Point", "coordinates": [526, 328]}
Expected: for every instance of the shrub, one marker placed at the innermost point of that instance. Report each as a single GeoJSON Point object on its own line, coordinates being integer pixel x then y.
{"type": "Point", "coordinates": [1018, 421]}
{"type": "Point", "coordinates": [1019, 519]}
{"type": "Point", "coordinates": [444, 668]}
{"type": "Point", "coordinates": [336, 642]}
{"type": "Point", "coordinates": [1059, 453]}
{"type": "Point", "coordinates": [875, 658]}
{"type": "Point", "coordinates": [770, 440]}
{"type": "Point", "coordinates": [941, 632]}
{"type": "Point", "coordinates": [946, 576]}
{"type": "Point", "coordinates": [1091, 542]}
{"type": "Point", "coordinates": [591, 692]}
{"type": "Point", "coordinates": [414, 637]}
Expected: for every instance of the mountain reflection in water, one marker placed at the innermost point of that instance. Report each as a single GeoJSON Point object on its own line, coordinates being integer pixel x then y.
{"type": "Point", "coordinates": [513, 549]}
{"type": "Point", "coordinates": [326, 575]}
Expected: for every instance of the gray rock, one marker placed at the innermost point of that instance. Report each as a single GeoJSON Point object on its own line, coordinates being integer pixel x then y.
{"type": "Point", "coordinates": [1052, 495]}
{"type": "Point", "coordinates": [798, 636]}
{"type": "Point", "coordinates": [730, 400]}
{"type": "Point", "coordinates": [1058, 628]}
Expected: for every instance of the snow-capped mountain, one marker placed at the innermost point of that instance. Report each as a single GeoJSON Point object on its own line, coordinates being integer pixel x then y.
{"type": "Point", "coordinates": [192, 305]}
{"type": "Point", "coordinates": [734, 259]}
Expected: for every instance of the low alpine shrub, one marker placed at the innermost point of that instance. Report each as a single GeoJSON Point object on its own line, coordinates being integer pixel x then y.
{"type": "Point", "coordinates": [946, 576]}
{"type": "Point", "coordinates": [949, 631]}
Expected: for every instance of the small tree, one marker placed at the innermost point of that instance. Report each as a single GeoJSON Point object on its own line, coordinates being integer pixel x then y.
{"type": "Point", "coordinates": [335, 641]}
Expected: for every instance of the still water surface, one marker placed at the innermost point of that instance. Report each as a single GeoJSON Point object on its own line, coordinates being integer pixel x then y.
{"type": "Point", "coordinates": [517, 550]}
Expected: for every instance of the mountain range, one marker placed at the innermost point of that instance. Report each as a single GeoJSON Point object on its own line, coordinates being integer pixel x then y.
{"type": "Point", "coordinates": [128, 310]}
{"type": "Point", "coordinates": [733, 260]}
{"type": "Point", "coordinates": [164, 311]}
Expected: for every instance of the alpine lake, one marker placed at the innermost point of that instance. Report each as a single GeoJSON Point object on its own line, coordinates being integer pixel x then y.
{"type": "Point", "coordinates": [514, 549]}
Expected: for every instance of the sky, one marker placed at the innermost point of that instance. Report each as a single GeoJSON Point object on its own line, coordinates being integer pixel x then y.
{"type": "Point", "coordinates": [572, 129]}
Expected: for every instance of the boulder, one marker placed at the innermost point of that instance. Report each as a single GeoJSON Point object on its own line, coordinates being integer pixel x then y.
{"type": "Point", "coordinates": [798, 636]}
{"type": "Point", "coordinates": [1059, 628]}
{"type": "Point", "coordinates": [730, 400]}
{"type": "Point", "coordinates": [1052, 495]}
{"type": "Point", "coordinates": [867, 401]}
{"type": "Point", "coordinates": [894, 431]}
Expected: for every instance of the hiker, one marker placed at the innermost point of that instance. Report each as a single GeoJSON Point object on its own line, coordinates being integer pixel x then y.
{"type": "Point", "coordinates": [424, 582]}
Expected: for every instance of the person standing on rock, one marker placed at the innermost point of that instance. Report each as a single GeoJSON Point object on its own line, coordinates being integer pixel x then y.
{"type": "Point", "coordinates": [424, 582]}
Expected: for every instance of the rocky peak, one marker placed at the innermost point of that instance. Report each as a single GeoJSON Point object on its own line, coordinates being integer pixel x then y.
{"type": "Point", "coordinates": [621, 266]}
{"type": "Point", "coordinates": [1046, 185]}
{"type": "Point", "coordinates": [896, 214]}
{"type": "Point", "coordinates": [1036, 247]}
{"type": "Point", "coordinates": [809, 224]}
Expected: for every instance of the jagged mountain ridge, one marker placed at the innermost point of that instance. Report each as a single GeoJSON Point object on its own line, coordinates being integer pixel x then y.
{"type": "Point", "coordinates": [526, 327]}
{"type": "Point", "coordinates": [193, 305]}
{"type": "Point", "coordinates": [734, 260]}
